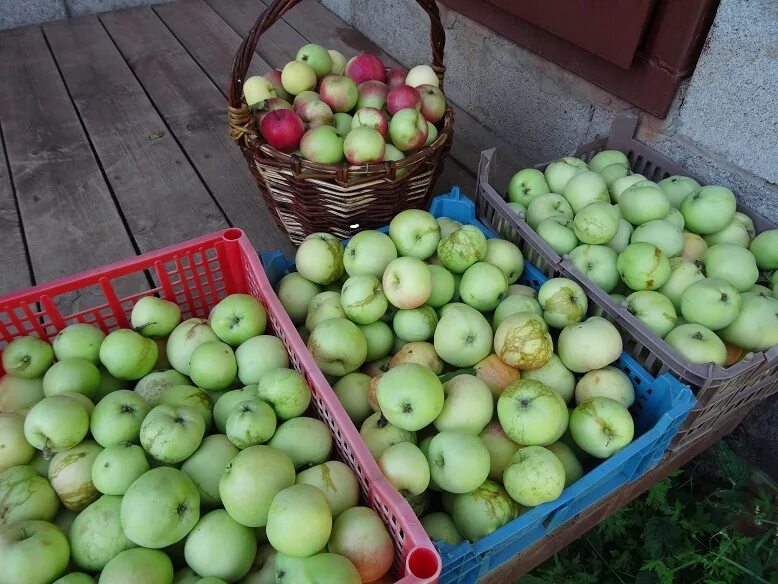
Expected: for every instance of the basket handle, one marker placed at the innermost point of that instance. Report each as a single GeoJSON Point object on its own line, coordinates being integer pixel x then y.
{"type": "Point", "coordinates": [238, 113]}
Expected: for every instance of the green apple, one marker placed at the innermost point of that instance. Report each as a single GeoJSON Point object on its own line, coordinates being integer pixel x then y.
{"type": "Point", "coordinates": [463, 336]}
{"type": "Point", "coordinates": [596, 223]}
{"type": "Point", "coordinates": [227, 402]}
{"type": "Point", "coordinates": [697, 344]}
{"type": "Point", "coordinates": [683, 273]}
{"type": "Point", "coordinates": [764, 247]}
{"type": "Point", "coordinates": [352, 392]}
{"type": "Point", "coordinates": [360, 537]}
{"type": "Point", "coordinates": [407, 282]}
{"type": "Point", "coordinates": [557, 231]}
{"type": "Point", "coordinates": [522, 341]}
{"type": "Point", "coordinates": [286, 391]}
{"type": "Point", "coordinates": [128, 355]}
{"type": "Point", "coordinates": [675, 218]}
{"type": "Point", "coordinates": [25, 495]}
{"type": "Point", "coordinates": [258, 355]}
{"type": "Point", "coordinates": [379, 434]}
{"type": "Point", "coordinates": [155, 317]}
{"type": "Point", "coordinates": [601, 426]}
{"type": "Point", "coordinates": [323, 306]}
{"type": "Point", "coordinates": [607, 382]}
{"type": "Point", "coordinates": [138, 565]}
{"type": "Point", "coordinates": [152, 386]}
{"type": "Point", "coordinates": [483, 511]}
{"type": "Point", "coordinates": [654, 310]}
{"type": "Point", "coordinates": [338, 483]}
{"type": "Point", "coordinates": [518, 209]}
{"type": "Point", "coordinates": [755, 328]}
{"type": "Point", "coordinates": [116, 468]}
{"type": "Point", "coordinates": [563, 302]}
{"type": "Point", "coordinates": [213, 366]}
{"type": "Point", "coordinates": [405, 466]}
{"type": "Point", "coordinates": [483, 286]}
{"type": "Point", "coordinates": [447, 226]}
{"type": "Point", "coordinates": [441, 527]}
{"type": "Point", "coordinates": [662, 234]}
{"type": "Point", "coordinates": [338, 346]}
{"type": "Point", "coordinates": [525, 185]}
{"type": "Point", "coordinates": [734, 233]}
{"type": "Point", "coordinates": [27, 357]}
{"type": "Point", "coordinates": [18, 394]}
{"type": "Point", "coordinates": [708, 209]}
{"type": "Point", "coordinates": [532, 413]}
{"type": "Point", "coordinates": [410, 396]}
{"type": "Point", "coordinates": [514, 304]}
{"type": "Point", "coordinates": [415, 233]}
{"type": "Point", "coordinates": [221, 547]}
{"type": "Point", "coordinates": [206, 466]}
{"type": "Point", "coordinates": [320, 61]}
{"type": "Point", "coordinates": [621, 184]}
{"type": "Point", "coordinates": [746, 222]}
{"type": "Point", "coordinates": [70, 475]}
{"type": "Point", "coordinates": [75, 578]}
{"type": "Point", "coordinates": [306, 441]}
{"type": "Point", "coordinates": [571, 464]}
{"type": "Point", "coordinates": [251, 422]}
{"type": "Point", "coordinates": [297, 77]}
{"type": "Point", "coordinates": [534, 476]}
{"type": "Point", "coordinates": [614, 172]}
{"type": "Point", "coordinates": [237, 318]}
{"type": "Point", "coordinates": [78, 341]}
{"type": "Point", "coordinates": [96, 536]}
{"type": "Point", "coordinates": [160, 508]}
{"type": "Point", "coordinates": [117, 418]}
{"type": "Point", "coordinates": [246, 499]}
{"type": "Point", "coordinates": [506, 256]}
{"type": "Point", "coordinates": [363, 299]}
{"type": "Point", "coordinates": [14, 449]}
{"type": "Point", "coordinates": [598, 263]}
{"type": "Point", "coordinates": [299, 521]}
{"type": "Point", "coordinates": [368, 253]}
{"type": "Point", "coordinates": [342, 122]}
{"type": "Point", "coordinates": [72, 375]}
{"type": "Point", "coordinates": [320, 258]}
{"type": "Point", "coordinates": [643, 202]}
{"type": "Point", "coordinates": [172, 433]}
{"type": "Point", "coordinates": [605, 158]}
{"type": "Point", "coordinates": [711, 302]}
{"type": "Point", "coordinates": [295, 294]}
{"type": "Point", "coordinates": [500, 447]}
{"type": "Point", "coordinates": [677, 188]}
{"type": "Point", "coordinates": [459, 463]}
{"type": "Point", "coordinates": [643, 266]}
{"type": "Point", "coordinates": [546, 206]}
{"type": "Point", "coordinates": [591, 344]}
{"type": "Point", "coordinates": [187, 395]}
{"type": "Point", "coordinates": [584, 188]}
{"type": "Point", "coordinates": [56, 423]}
{"type": "Point", "coordinates": [555, 375]}
{"type": "Point", "coordinates": [462, 248]}
{"type": "Point", "coordinates": [379, 339]}
{"type": "Point", "coordinates": [725, 261]}
{"type": "Point", "coordinates": [468, 405]}
{"type": "Point", "coordinates": [33, 552]}
{"type": "Point", "coordinates": [558, 174]}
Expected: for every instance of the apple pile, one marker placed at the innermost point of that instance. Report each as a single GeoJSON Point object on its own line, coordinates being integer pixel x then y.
{"type": "Point", "coordinates": [675, 254]}
{"type": "Point", "coordinates": [449, 369]}
{"type": "Point", "coordinates": [328, 110]}
{"type": "Point", "coordinates": [174, 445]}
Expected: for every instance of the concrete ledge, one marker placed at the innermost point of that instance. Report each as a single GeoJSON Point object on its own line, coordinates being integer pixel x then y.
{"type": "Point", "coordinates": [15, 13]}
{"type": "Point", "coordinates": [79, 7]}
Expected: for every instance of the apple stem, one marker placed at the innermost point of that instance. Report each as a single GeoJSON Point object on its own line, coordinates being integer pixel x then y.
{"type": "Point", "coordinates": [47, 453]}
{"type": "Point", "coordinates": [139, 328]}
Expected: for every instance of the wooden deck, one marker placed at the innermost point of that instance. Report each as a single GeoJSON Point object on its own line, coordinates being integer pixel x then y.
{"type": "Point", "coordinates": [114, 136]}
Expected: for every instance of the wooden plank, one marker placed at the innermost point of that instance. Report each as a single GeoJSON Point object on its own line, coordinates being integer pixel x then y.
{"type": "Point", "coordinates": [163, 199]}
{"type": "Point", "coordinates": [14, 268]}
{"type": "Point", "coordinates": [70, 220]}
{"type": "Point", "coordinates": [195, 110]}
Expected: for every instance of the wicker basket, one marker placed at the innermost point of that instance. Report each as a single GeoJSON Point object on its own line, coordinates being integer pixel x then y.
{"type": "Point", "coordinates": [305, 197]}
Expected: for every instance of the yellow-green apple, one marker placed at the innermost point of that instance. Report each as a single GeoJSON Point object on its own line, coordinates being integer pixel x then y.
{"type": "Point", "coordinates": [462, 248]}
{"type": "Point", "coordinates": [117, 418]}
{"type": "Point", "coordinates": [307, 441]}
{"type": "Point", "coordinates": [622, 184]}
{"type": "Point", "coordinates": [555, 375]}
{"type": "Point", "coordinates": [145, 565]}
{"type": "Point", "coordinates": [654, 310]}
{"type": "Point", "coordinates": [33, 552]}
{"type": "Point", "coordinates": [422, 75]}
{"type": "Point", "coordinates": [532, 413]}
{"type": "Point", "coordinates": [218, 546]}
{"type": "Point", "coordinates": [596, 223]}
{"type": "Point", "coordinates": [407, 282]}
{"type": "Point", "coordinates": [402, 97]}
{"type": "Point", "coordinates": [14, 449]}
{"type": "Point", "coordinates": [512, 305]}
{"type": "Point", "coordinates": [286, 391]}
{"type": "Point", "coordinates": [571, 464]}
{"type": "Point", "coordinates": [563, 302]}
{"type": "Point", "coordinates": [506, 256]}
{"type": "Point", "coordinates": [483, 286]}
{"type": "Point", "coordinates": [257, 90]}
{"type": "Point", "coordinates": [468, 405]}
{"type": "Point", "coordinates": [342, 123]}
{"type": "Point", "coordinates": [258, 355]}
{"type": "Point", "coordinates": [250, 422]}
{"type": "Point", "coordinates": [755, 328]}
{"type": "Point", "coordinates": [337, 481]}
{"type": "Point", "coordinates": [534, 476]}
{"type": "Point", "coordinates": [283, 129]}
{"type": "Point", "coordinates": [606, 382]}
{"type": "Point", "coordinates": [27, 357]}
{"type": "Point", "coordinates": [359, 535]}
{"type": "Point", "coordinates": [396, 76]}
{"type": "Point", "coordinates": [447, 226]}
{"type": "Point", "coordinates": [155, 317]}
{"type": "Point", "coordinates": [601, 426]}
{"type": "Point", "coordinates": [379, 434]}
{"type": "Point", "coordinates": [557, 232]}
{"type": "Point", "coordinates": [160, 508]}
{"type": "Point", "coordinates": [80, 341]}
{"type": "Point", "coordinates": [25, 495]}
{"type": "Point", "coordinates": [441, 527]}
{"type": "Point", "coordinates": [96, 535]}
{"type": "Point", "coordinates": [459, 463]}
{"type": "Point", "coordinates": [72, 375]}
{"type": "Point", "coordinates": [525, 185]}
{"type": "Point", "coordinates": [522, 341]}
{"type": "Point", "coordinates": [433, 103]}
{"type": "Point", "coordinates": [734, 233]}
{"type": "Point", "coordinates": [326, 568]}
{"type": "Point", "coordinates": [299, 521]}
{"type": "Point", "coordinates": [677, 188]}
{"type": "Point", "coordinates": [297, 77]}
{"type": "Point", "coordinates": [694, 246]}
{"type": "Point", "coordinates": [274, 77]}
{"type": "Point", "coordinates": [408, 129]}
{"type": "Point", "coordinates": [584, 188]}
{"type": "Point", "coordinates": [172, 433]}
{"type": "Point", "coordinates": [363, 144]}
{"type": "Point", "coordinates": [614, 172]}
{"type": "Point", "coordinates": [622, 237]}
{"type": "Point", "coordinates": [338, 62]}
{"type": "Point", "coordinates": [483, 511]}
{"type": "Point", "coordinates": [697, 344]}
{"type": "Point", "coordinates": [368, 253]}
{"type": "Point", "coordinates": [116, 468]}
{"type": "Point", "coordinates": [405, 466]}
{"type": "Point", "coordinates": [363, 299]}
{"type": "Point", "coordinates": [70, 474]}
{"type": "Point", "coordinates": [415, 324]}
{"type": "Point", "coordinates": [213, 366]}
{"type": "Point", "coordinates": [746, 222]}
{"type": "Point", "coordinates": [545, 206]}
{"type": "Point", "coordinates": [643, 202]}
{"type": "Point", "coordinates": [603, 159]}
{"type": "Point", "coordinates": [708, 209]}
{"type": "Point", "coordinates": [418, 352]}
{"type": "Point", "coordinates": [599, 263]}
{"type": "Point", "coordinates": [369, 117]}
{"type": "Point", "coordinates": [591, 344]}
{"type": "Point", "coordinates": [56, 423]}
{"type": "Point", "coordinates": [365, 67]}
{"type": "Point", "coordinates": [184, 339]}
{"type": "Point", "coordinates": [725, 261]}
{"type": "Point", "coordinates": [410, 396]}
{"type": "Point", "coordinates": [558, 173]}
{"type": "Point", "coordinates": [352, 393]}
{"type": "Point", "coordinates": [372, 94]}
{"type": "Point", "coordinates": [463, 336]}
{"type": "Point", "coordinates": [18, 394]}
{"type": "Point", "coordinates": [415, 233]}
{"type": "Point", "coordinates": [711, 302]}
{"type": "Point", "coordinates": [643, 266]}
{"type": "Point", "coordinates": [338, 346]}
{"type": "Point", "coordinates": [442, 286]}
{"type": "Point", "coordinates": [320, 258]}
{"type": "Point", "coordinates": [323, 306]}
{"type": "Point", "coordinates": [295, 293]}
{"type": "Point", "coordinates": [661, 233]}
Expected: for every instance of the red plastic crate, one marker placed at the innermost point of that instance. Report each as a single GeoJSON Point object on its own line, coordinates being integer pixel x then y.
{"type": "Point", "coordinates": [197, 274]}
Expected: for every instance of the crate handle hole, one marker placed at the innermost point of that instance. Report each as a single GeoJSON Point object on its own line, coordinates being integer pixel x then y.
{"type": "Point", "coordinates": [423, 563]}
{"type": "Point", "coordinates": [233, 234]}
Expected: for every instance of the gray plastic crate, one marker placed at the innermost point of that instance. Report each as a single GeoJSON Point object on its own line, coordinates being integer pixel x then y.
{"type": "Point", "coordinates": [723, 393]}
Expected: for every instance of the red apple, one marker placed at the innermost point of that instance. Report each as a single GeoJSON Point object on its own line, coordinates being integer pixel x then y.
{"type": "Point", "coordinates": [370, 117]}
{"type": "Point", "coordinates": [433, 103]}
{"type": "Point", "coordinates": [396, 77]}
{"type": "Point", "coordinates": [283, 129]}
{"type": "Point", "coordinates": [364, 145]}
{"type": "Point", "coordinates": [274, 76]}
{"type": "Point", "coordinates": [365, 67]}
{"type": "Point", "coordinates": [372, 94]}
{"type": "Point", "coordinates": [339, 92]}
{"type": "Point", "coordinates": [408, 130]}
{"type": "Point", "coordinates": [403, 97]}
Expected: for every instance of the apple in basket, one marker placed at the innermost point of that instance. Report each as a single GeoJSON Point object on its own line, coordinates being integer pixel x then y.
{"type": "Point", "coordinates": [433, 103]}
{"type": "Point", "coordinates": [408, 130]}
{"type": "Point", "coordinates": [363, 145]}
{"type": "Point", "coordinates": [422, 75]}
{"type": "Point", "coordinates": [283, 129]}
{"type": "Point", "coordinates": [339, 92]}
{"type": "Point", "coordinates": [274, 76]}
{"type": "Point", "coordinates": [371, 117]}
{"type": "Point", "coordinates": [365, 67]}
{"type": "Point", "coordinates": [396, 77]}
{"type": "Point", "coordinates": [403, 97]}
{"type": "Point", "coordinates": [372, 94]}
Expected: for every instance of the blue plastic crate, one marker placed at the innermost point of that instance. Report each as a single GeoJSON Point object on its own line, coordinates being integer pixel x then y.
{"type": "Point", "coordinates": [661, 405]}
